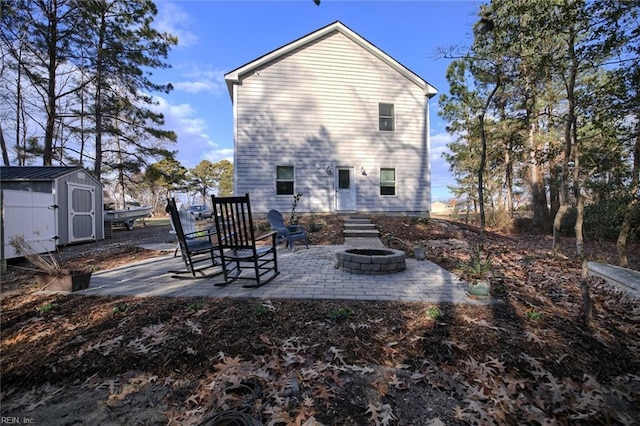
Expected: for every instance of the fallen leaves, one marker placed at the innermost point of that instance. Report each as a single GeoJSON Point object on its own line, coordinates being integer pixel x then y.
{"type": "Point", "coordinates": [283, 361]}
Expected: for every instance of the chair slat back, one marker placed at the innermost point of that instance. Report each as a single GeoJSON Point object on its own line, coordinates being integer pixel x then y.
{"type": "Point", "coordinates": [175, 220]}
{"type": "Point", "coordinates": [274, 217]}
{"type": "Point", "coordinates": [234, 223]}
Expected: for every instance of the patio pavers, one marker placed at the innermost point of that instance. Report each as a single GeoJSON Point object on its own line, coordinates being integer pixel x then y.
{"type": "Point", "coordinates": [304, 274]}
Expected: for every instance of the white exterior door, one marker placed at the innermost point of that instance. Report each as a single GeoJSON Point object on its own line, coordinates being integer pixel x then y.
{"type": "Point", "coordinates": [82, 212]}
{"type": "Point", "coordinates": [31, 214]}
{"type": "Point", "coordinates": [345, 189]}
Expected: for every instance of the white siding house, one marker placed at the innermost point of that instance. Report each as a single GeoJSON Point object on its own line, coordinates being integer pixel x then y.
{"type": "Point", "coordinates": [333, 117]}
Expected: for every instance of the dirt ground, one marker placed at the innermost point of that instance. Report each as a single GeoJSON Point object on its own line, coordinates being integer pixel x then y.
{"type": "Point", "coordinates": [527, 359]}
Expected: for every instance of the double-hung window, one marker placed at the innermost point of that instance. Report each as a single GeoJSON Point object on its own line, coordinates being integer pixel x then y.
{"type": "Point", "coordinates": [386, 117]}
{"type": "Point", "coordinates": [284, 180]}
{"type": "Point", "coordinates": [387, 181]}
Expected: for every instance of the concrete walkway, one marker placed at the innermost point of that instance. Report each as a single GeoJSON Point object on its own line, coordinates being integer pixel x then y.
{"type": "Point", "coordinates": [304, 274]}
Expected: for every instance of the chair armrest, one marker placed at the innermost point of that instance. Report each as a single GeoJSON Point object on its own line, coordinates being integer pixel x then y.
{"type": "Point", "coordinates": [199, 234]}
{"type": "Point", "coordinates": [296, 228]}
{"type": "Point", "coordinates": [226, 237]}
{"type": "Point", "coordinates": [265, 236]}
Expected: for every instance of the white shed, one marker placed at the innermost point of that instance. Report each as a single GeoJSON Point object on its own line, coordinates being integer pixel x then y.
{"type": "Point", "coordinates": [50, 206]}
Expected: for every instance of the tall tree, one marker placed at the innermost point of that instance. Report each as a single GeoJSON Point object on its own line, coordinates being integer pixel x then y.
{"type": "Point", "coordinates": [122, 46]}
{"type": "Point", "coordinates": [41, 35]}
{"type": "Point", "coordinates": [202, 179]}
{"type": "Point", "coordinates": [617, 34]}
{"type": "Point", "coordinates": [167, 174]}
{"type": "Point", "coordinates": [223, 170]}
{"type": "Point", "coordinates": [73, 53]}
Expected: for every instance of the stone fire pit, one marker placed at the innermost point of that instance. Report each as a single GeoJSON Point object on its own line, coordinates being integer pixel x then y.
{"type": "Point", "coordinates": [371, 261]}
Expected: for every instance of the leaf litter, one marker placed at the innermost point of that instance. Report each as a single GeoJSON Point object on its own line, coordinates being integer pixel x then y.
{"type": "Point", "coordinates": [192, 361]}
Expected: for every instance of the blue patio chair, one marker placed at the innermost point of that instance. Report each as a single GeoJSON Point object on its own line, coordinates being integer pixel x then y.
{"type": "Point", "coordinates": [289, 233]}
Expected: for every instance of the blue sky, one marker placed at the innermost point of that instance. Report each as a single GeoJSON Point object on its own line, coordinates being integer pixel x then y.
{"type": "Point", "coordinates": [216, 37]}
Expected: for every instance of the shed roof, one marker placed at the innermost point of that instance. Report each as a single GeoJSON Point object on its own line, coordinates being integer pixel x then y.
{"type": "Point", "coordinates": [233, 77]}
{"type": "Point", "coordinates": [34, 173]}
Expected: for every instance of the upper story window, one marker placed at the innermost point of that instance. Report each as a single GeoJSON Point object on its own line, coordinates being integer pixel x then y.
{"type": "Point", "coordinates": [284, 180]}
{"type": "Point", "coordinates": [388, 181]}
{"type": "Point", "coordinates": [386, 117]}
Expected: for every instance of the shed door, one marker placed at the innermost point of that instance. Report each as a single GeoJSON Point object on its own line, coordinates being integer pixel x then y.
{"type": "Point", "coordinates": [345, 189]}
{"type": "Point", "coordinates": [82, 212]}
{"type": "Point", "coordinates": [31, 214]}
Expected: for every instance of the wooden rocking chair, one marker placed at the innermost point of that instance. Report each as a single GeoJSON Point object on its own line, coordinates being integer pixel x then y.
{"type": "Point", "coordinates": [238, 247]}
{"type": "Point", "coordinates": [188, 222]}
{"type": "Point", "coordinates": [196, 247]}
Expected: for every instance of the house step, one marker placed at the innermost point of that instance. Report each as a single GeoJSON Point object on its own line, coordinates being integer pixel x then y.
{"type": "Point", "coordinates": [353, 220]}
{"type": "Point", "coordinates": [362, 233]}
{"type": "Point", "coordinates": [359, 226]}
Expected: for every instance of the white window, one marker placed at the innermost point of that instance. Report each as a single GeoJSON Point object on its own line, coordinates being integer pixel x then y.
{"type": "Point", "coordinates": [386, 117]}
{"type": "Point", "coordinates": [284, 180]}
{"type": "Point", "coordinates": [387, 181]}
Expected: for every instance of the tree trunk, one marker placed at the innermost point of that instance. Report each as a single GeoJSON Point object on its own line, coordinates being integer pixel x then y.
{"type": "Point", "coordinates": [621, 244]}
{"type": "Point", "coordinates": [97, 165]}
{"type": "Point", "coordinates": [483, 161]}
{"type": "Point", "coordinates": [584, 271]}
{"type": "Point", "coordinates": [508, 178]}
{"type": "Point", "coordinates": [554, 190]}
{"type": "Point", "coordinates": [19, 122]}
{"type": "Point", "coordinates": [536, 182]}
{"type": "Point", "coordinates": [570, 123]}
{"type": "Point", "coordinates": [483, 156]}
{"type": "Point", "coordinates": [47, 159]}
{"type": "Point", "coordinates": [3, 145]}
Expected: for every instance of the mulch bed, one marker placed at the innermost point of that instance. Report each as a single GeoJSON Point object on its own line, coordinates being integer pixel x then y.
{"type": "Point", "coordinates": [529, 359]}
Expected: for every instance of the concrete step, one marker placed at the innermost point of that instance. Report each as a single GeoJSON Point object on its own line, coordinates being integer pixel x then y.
{"type": "Point", "coordinates": [623, 278]}
{"type": "Point", "coordinates": [364, 233]}
{"type": "Point", "coordinates": [355, 220]}
{"type": "Point", "coordinates": [359, 226]}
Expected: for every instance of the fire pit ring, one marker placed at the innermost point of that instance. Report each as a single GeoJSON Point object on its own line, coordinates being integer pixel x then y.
{"type": "Point", "coordinates": [371, 261]}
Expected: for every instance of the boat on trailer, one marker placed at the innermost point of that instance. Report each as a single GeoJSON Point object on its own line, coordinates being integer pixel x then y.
{"type": "Point", "coordinates": [127, 217]}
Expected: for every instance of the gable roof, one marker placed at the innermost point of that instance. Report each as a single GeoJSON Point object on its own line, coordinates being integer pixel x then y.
{"type": "Point", "coordinates": [233, 77]}
{"type": "Point", "coordinates": [34, 173]}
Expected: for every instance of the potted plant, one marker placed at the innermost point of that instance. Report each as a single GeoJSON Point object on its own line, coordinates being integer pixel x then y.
{"type": "Point", "coordinates": [477, 273]}
{"type": "Point", "coordinates": [420, 251]}
{"type": "Point", "coordinates": [49, 273]}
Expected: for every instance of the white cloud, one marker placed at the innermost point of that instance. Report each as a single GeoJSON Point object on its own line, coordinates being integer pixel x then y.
{"type": "Point", "coordinates": [439, 143]}
{"type": "Point", "coordinates": [174, 20]}
{"type": "Point", "coordinates": [220, 154]}
{"type": "Point", "coordinates": [198, 80]}
{"type": "Point", "coordinates": [440, 175]}
{"type": "Point", "coordinates": [194, 143]}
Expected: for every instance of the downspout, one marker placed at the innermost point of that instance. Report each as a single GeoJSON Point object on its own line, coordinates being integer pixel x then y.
{"type": "Point", "coordinates": [429, 93]}
{"type": "Point", "coordinates": [234, 101]}
{"type": "Point", "coordinates": [427, 135]}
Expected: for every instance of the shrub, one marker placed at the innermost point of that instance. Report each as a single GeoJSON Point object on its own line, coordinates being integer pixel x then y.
{"type": "Point", "coordinates": [340, 314]}
{"type": "Point", "coordinates": [48, 307]}
{"type": "Point", "coordinates": [603, 220]}
{"type": "Point", "coordinates": [498, 219]}
{"type": "Point", "coordinates": [434, 313]}
{"type": "Point", "coordinates": [316, 225]}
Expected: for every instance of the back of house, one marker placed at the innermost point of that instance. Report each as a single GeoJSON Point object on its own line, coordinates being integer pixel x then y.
{"type": "Point", "coordinates": [336, 119]}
